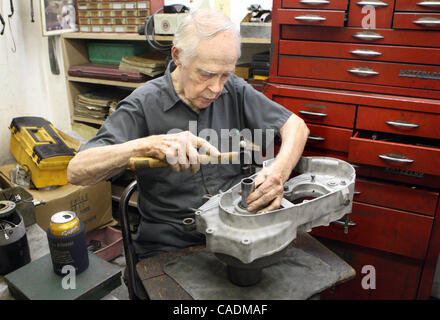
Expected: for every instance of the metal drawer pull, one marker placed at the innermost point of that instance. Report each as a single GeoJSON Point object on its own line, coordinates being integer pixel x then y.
{"type": "Point", "coordinates": [315, 138]}
{"type": "Point", "coordinates": [429, 4]}
{"type": "Point", "coordinates": [343, 223]}
{"type": "Point", "coordinates": [428, 21]}
{"type": "Point", "coordinates": [355, 192]}
{"type": "Point", "coordinates": [373, 3]}
{"type": "Point", "coordinates": [365, 53]}
{"type": "Point", "coordinates": [311, 113]}
{"type": "Point", "coordinates": [314, 2]}
{"type": "Point", "coordinates": [310, 17]}
{"type": "Point", "coordinates": [395, 158]}
{"type": "Point", "coordinates": [363, 72]}
{"type": "Point", "coordinates": [367, 35]}
{"type": "Point", "coordinates": [402, 124]}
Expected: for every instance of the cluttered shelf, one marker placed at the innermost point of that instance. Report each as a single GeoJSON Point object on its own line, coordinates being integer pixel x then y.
{"type": "Point", "coordinates": [137, 37]}
{"type": "Point", "coordinates": [98, 65]}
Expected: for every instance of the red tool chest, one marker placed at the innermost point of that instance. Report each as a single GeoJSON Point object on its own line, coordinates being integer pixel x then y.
{"type": "Point", "coordinates": [370, 97]}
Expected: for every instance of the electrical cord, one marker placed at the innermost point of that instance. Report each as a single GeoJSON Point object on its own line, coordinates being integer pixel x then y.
{"type": "Point", "coordinates": [154, 43]}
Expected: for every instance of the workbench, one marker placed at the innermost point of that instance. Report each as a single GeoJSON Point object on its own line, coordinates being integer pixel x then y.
{"type": "Point", "coordinates": [161, 286]}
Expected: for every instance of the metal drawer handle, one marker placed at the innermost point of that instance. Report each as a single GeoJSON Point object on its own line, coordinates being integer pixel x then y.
{"type": "Point", "coordinates": [367, 35]}
{"type": "Point", "coordinates": [315, 138]}
{"type": "Point", "coordinates": [429, 4]}
{"type": "Point", "coordinates": [401, 124]}
{"type": "Point", "coordinates": [314, 2]}
{"type": "Point", "coordinates": [310, 17]}
{"type": "Point", "coordinates": [365, 53]}
{"type": "Point", "coordinates": [396, 158]}
{"type": "Point", "coordinates": [373, 3]}
{"type": "Point", "coordinates": [355, 192]}
{"type": "Point", "coordinates": [363, 72]}
{"type": "Point", "coordinates": [346, 222]}
{"type": "Point", "coordinates": [342, 223]}
{"type": "Point", "coordinates": [428, 21]}
{"type": "Point", "coordinates": [311, 113]}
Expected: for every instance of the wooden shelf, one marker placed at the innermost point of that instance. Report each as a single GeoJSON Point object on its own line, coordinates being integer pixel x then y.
{"type": "Point", "coordinates": [106, 82]}
{"type": "Point", "coordinates": [75, 52]}
{"type": "Point", "coordinates": [88, 120]}
{"type": "Point", "coordinates": [255, 40]}
{"type": "Point", "coordinates": [137, 37]}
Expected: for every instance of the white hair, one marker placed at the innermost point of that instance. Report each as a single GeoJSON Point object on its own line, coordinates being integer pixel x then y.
{"type": "Point", "coordinates": [200, 25]}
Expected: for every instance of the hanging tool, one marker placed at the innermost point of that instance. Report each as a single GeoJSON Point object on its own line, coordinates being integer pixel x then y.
{"type": "Point", "coordinates": [3, 23]}
{"type": "Point", "coordinates": [139, 163]}
{"type": "Point", "coordinates": [52, 56]}
{"type": "Point", "coordinates": [32, 11]}
{"type": "Point", "coordinates": [12, 9]}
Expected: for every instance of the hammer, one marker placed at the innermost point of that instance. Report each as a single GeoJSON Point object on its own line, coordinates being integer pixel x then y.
{"type": "Point", "coordinates": [140, 163]}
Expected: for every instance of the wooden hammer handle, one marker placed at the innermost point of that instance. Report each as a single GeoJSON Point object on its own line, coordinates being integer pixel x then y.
{"type": "Point", "coordinates": [140, 163]}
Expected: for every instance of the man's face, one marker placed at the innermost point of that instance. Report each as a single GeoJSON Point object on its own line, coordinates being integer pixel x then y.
{"type": "Point", "coordinates": [203, 79]}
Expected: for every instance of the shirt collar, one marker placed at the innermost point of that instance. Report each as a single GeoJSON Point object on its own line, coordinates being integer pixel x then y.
{"type": "Point", "coordinates": [171, 96]}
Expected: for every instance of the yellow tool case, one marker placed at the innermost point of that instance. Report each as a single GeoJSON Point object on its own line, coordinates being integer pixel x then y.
{"type": "Point", "coordinates": [36, 144]}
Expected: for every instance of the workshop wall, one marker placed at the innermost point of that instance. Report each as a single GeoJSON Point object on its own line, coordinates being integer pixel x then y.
{"type": "Point", "coordinates": [27, 86]}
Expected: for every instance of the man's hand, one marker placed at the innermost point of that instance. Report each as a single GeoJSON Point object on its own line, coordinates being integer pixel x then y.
{"type": "Point", "coordinates": [180, 150]}
{"type": "Point", "coordinates": [269, 191]}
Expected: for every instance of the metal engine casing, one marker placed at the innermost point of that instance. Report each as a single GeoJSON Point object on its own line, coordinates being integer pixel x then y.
{"type": "Point", "coordinates": [232, 231]}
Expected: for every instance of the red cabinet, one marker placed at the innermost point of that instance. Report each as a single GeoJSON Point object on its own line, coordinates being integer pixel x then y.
{"type": "Point", "coordinates": [370, 97]}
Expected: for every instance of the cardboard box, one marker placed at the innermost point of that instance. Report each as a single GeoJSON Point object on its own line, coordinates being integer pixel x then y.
{"type": "Point", "coordinates": [92, 204]}
{"type": "Point", "coordinates": [243, 70]}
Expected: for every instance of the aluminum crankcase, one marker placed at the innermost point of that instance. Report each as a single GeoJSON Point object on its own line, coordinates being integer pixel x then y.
{"type": "Point", "coordinates": [322, 192]}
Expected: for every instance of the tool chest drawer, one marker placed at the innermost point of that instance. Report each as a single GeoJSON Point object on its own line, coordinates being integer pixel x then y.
{"type": "Point", "coordinates": [322, 112]}
{"type": "Point", "coordinates": [418, 21]}
{"type": "Point", "coordinates": [315, 4]}
{"type": "Point", "coordinates": [383, 12]}
{"type": "Point", "coordinates": [366, 72]}
{"type": "Point", "coordinates": [396, 196]}
{"type": "Point", "coordinates": [392, 151]}
{"type": "Point", "coordinates": [396, 277]}
{"type": "Point", "coordinates": [384, 229]}
{"type": "Point", "coordinates": [330, 18]}
{"type": "Point", "coordinates": [417, 5]}
{"type": "Point", "coordinates": [359, 35]}
{"type": "Point", "coordinates": [330, 138]}
{"type": "Point", "coordinates": [399, 122]}
{"type": "Point", "coordinates": [361, 51]}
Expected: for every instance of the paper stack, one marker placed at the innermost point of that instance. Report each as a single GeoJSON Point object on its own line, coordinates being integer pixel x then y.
{"type": "Point", "coordinates": [148, 64]}
{"type": "Point", "coordinates": [97, 104]}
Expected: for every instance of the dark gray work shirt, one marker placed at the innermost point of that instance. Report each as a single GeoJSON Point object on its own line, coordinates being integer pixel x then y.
{"type": "Point", "coordinates": [164, 196]}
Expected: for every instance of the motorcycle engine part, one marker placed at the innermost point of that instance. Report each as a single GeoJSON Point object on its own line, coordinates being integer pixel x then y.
{"type": "Point", "coordinates": [321, 193]}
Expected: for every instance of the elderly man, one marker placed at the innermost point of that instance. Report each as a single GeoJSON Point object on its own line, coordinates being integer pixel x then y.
{"type": "Point", "coordinates": [199, 86]}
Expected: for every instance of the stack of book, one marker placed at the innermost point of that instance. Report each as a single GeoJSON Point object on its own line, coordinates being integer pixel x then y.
{"type": "Point", "coordinates": [260, 65]}
{"type": "Point", "coordinates": [97, 105]}
{"type": "Point", "coordinates": [148, 64]}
